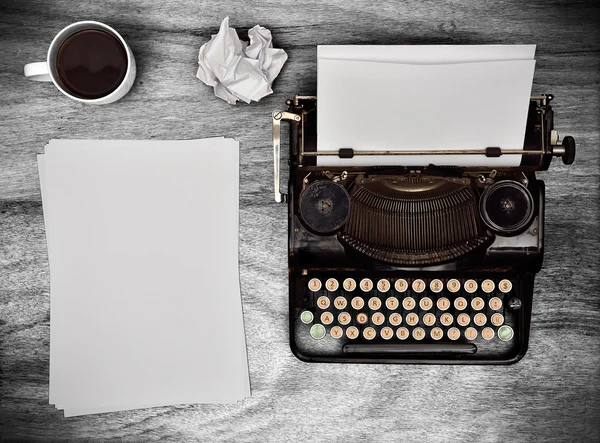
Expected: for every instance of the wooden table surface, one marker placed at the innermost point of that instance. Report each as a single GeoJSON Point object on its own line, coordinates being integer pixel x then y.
{"type": "Point", "coordinates": [551, 395]}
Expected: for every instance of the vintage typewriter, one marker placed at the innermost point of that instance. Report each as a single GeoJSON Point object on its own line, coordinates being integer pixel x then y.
{"type": "Point", "coordinates": [413, 265]}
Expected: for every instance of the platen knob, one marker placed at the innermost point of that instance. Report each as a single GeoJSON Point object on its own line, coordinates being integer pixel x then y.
{"type": "Point", "coordinates": [569, 145]}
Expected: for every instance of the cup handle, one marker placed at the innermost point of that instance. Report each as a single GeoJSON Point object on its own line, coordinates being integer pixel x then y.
{"type": "Point", "coordinates": [37, 71]}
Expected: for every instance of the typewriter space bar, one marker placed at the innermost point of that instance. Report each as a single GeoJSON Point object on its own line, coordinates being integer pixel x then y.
{"type": "Point", "coordinates": [411, 348]}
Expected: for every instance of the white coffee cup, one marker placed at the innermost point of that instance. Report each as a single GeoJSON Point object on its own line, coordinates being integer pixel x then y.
{"type": "Point", "coordinates": [47, 72]}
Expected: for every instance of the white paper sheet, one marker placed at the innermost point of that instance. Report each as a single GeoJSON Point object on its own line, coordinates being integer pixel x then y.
{"type": "Point", "coordinates": [152, 315]}
{"type": "Point", "coordinates": [375, 106]}
{"type": "Point", "coordinates": [426, 54]}
{"type": "Point", "coordinates": [54, 145]}
{"type": "Point", "coordinates": [74, 412]}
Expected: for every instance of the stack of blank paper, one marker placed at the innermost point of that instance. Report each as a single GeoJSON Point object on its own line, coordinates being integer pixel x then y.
{"type": "Point", "coordinates": [143, 250]}
{"type": "Point", "coordinates": [417, 98]}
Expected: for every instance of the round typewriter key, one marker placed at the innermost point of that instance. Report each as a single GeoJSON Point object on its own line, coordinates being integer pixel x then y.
{"type": "Point", "coordinates": [487, 333]}
{"type": "Point", "coordinates": [514, 304]}
{"type": "Point", "coordinates": [460, 304]}
{"type": "Point", "coordinates": [505, 286]}
{"type": "Point", "coordinates": [327, 318]}
{"type": "Point", "coordinates": [387, 333]}
{"type": "Point", "coordinates": [392, 303]}
{"type": "Point", "coordinates": [436, 285]}
{"type": "Point", "coordinates": [357, 303]}
{"type": "Point", "coordinates": [463, 319]}
{"type": "Point", "coordinates": [332, 284]}
{"type": "Point", "coordinates": [471, 333]}
{"type": "Point", "coordinates": [369, 333]}
{"type": "Point", "coordinates": [314, 284]}
{"type": "Point", "coordinates": [352, 332]}
{"type": "Point", "coordinates": [395, 319]}
{"type": "Point", "coordinates": [409, 303]}
{"type": "Point", "coordinates": [506, 333]}
{"type": "Point", "coordinates": [402, 333]}
{"type": "Point", "coordinates": [453, 333]}
{"type": "Point", "coordinates": [383, 285]}
{"type": "Point", "coordinates": [497, 319]}
{"type": "Point", "coordinates": [480, 319]}
{"type": "Point", "coordinates": [374, 303]}
{"type": "Point", "coordinates": [425, 303]}
{"type": "Point", "coordinates": [401, 285]}
{"type": "Point", "coordinates": [366, 285]}
{"type": "Point", "coordinates": [336, 332]}
{"type": "Point", "coordinates": [306, 317]}
{"type": "Point", "coordinates": [323, 302]}
{"type": "Point", "coordinates": [317, 331]}
{"type": "Point", "coordinates": [446, 319]}
{"type": "Point", "coordinates": [418, 285]}
{"type": "Point", "coordinates": [344, 318]}
{"type": "Point", "coordinates": [477, 303]}
{"type": "Point", "coordinates": [453, 285]}
{"type": "Point", "coordinates": [429, 319]}
{"type": "Point", "coordinates": [349, 284]}
{"type": "Point", "coordinates": [362, 318]}
{"type": "Point", "coordinates": [418, 333]}
{"type": "Point", "coordinates": [443, 304]}
{"type": "Point", "coordinates": [470, 286]}
{"type": "Point", "coordinates": [378, 318]}
{"type": "Point", "coordinates": [340, 302]}
{"type": "Point", "coordinates": [437, 333]}
{"type": "Point", "coordinates": [488, 286]}
{"type": "Point", "coordinates": [412, 319]}
{"type": "Point", "coordinates": [495, 303]}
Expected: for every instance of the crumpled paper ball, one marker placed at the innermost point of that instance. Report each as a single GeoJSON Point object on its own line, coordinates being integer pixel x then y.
{"type": "Point", "coordinates": [238, 70]}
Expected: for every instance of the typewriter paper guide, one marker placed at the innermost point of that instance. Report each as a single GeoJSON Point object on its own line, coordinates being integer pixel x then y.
{"type": "Point", "coordinates": [134, 326]}
{"type": "Point", "coordinates": [383, 106]}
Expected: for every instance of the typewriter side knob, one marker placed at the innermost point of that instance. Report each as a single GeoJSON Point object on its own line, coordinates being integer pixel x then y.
{"type": "Point", "coordinates": [569, 146]}
{"type": "Point", "coordinates": [507, 207]}
{"type": "Point", "coordinates": [324, 206]}
{"type": "Point", "coordinates": [566, 150]}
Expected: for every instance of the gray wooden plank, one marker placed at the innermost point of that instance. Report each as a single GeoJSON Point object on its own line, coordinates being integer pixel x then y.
{"type": "Point", "coordinates": [551, 395]}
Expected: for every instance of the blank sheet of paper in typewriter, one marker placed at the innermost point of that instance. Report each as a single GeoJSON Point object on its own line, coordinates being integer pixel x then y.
{"type": "Point", "coordinates": [384, 106]}
{"type": "Point", "coordinates": [426, 54]}
{"type": "Point", "coordinates": [134, 325]}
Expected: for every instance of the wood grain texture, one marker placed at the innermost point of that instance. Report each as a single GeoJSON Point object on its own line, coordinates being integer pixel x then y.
{"type": "Point", "coordinates": [553, 394]}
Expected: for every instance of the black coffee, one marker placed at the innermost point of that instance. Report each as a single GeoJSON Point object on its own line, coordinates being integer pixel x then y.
{"type": "Point", "coordinates": [91, 63]}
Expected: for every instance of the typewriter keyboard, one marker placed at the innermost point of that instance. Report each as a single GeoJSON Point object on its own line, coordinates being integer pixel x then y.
{"type": "Point", "coordinates": [407, 310]}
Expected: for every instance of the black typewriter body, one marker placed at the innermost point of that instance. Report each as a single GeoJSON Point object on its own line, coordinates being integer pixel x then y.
{"type": "Point", "coordinates": [413, 264]}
